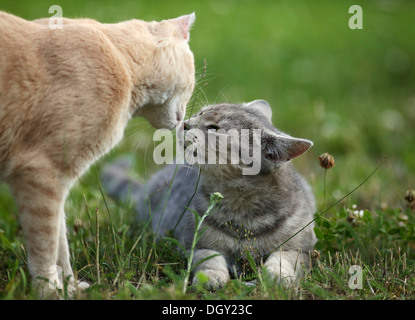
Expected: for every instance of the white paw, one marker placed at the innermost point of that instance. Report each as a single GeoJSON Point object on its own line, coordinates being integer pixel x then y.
{"type": "Point", "coordinates": [54, 290]}
{"type": "Point", "coordinates": [215, 278]}
{"type": "Point", "coordinates": [286, 277]}
{"type": "Point", "coordinates": [82, 285]}
{"type": "Point", "coordinates": [74, 288]}
{"type": "Point", "coordinates": [50, 290]}
{"type": "Point", "coordinates": [286, 280]}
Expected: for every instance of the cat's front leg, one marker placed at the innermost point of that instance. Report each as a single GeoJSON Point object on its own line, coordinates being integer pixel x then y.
{"type": "Point", "coordinates": [64, 262]}
{"type": "Point", "coordinates": [286, 266]}
{"type": "Point", "coordinates": [215, 268]}
{"type": "Point", "coordinates": [40, 202]}
{"type": "Point", "coordinates": [40, 190]}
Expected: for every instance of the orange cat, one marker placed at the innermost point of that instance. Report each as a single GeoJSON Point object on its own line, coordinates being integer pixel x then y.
{"type": "Point", "coordinates": [66, 96]}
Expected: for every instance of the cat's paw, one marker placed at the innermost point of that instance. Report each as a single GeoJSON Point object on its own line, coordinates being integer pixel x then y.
{"type": "Point", "coordinates": [286, 280]}
{"type": "Point", "coordinates": [46, 291]}
{"type": "Point", "coordinates": [287, 277]}
{"type": "Point", "coordinates": [74, 288]}
{"type": "Point", "coordinates": [82, 285]}
{"type": "Point", "coordinates": [211, 279]}
{"type": "Point", "coordinates": [54, 290]}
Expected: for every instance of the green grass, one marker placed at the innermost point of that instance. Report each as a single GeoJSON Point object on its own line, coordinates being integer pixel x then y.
{"type": "Point", "coordinates": [349, 91]}
{"type": "Point", "coordinates": [126, 262]}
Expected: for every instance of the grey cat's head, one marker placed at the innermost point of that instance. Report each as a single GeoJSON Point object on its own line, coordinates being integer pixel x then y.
{"type": "Point", "coordinates": [241, 126]}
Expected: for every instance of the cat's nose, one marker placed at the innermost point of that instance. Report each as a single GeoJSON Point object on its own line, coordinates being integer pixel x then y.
{"type": "Point", "coordinates": [179, 116]}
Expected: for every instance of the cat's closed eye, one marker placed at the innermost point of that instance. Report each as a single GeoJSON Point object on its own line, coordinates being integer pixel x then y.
{"type": "Point", "coordinates": [212, 127]}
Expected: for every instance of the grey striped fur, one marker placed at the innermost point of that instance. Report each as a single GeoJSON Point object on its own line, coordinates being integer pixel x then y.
{"type": "Point", "coordinates": [258, 212]}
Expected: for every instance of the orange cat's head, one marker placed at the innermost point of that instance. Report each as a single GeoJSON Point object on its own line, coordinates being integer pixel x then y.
{"type": "Point", "coordinates": [171, 77]}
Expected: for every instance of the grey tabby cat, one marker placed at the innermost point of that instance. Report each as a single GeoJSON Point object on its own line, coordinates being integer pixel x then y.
{"type": "Point", "coordinates": [258, 212]}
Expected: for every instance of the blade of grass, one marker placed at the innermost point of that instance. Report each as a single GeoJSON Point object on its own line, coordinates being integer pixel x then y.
{"type": "Point", "coordinates": [317, 215]}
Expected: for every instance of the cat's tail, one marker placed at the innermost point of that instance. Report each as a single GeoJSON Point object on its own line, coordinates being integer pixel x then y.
{"type": "Point", "coordinates": [119, 184]}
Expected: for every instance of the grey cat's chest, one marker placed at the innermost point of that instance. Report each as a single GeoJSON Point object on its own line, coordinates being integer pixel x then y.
{"type": "Point", "coordinates": [257, 218]}
{"type": "Point", "coordinates": [260, 215]}
{"type": "Point", "coordinates": [244, 223]}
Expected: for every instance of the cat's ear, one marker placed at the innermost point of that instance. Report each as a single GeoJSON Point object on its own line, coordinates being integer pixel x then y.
{"type": "Point", "coordinates": [184, 23]}
{"type": "Point", "coordinates": [282, 147]}
{"type": "Point", "coordinates": [260, 106]}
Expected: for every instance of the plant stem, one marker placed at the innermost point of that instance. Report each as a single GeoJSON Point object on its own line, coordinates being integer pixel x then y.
{"type": "Point", "coordinates": [324, 188]}
{"type": "Point", "coordinates": [333, 205]}
{"type": "Point", "coordinates": [97, 246]}
{"type": "Point", "coordinates": [215, 199]}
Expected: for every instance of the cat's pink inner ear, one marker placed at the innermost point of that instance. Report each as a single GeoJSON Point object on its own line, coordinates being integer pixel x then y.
{"type": "Point", "coordinates": [184, 23]}
{"type": "Point", "coordinates": [298, 147]}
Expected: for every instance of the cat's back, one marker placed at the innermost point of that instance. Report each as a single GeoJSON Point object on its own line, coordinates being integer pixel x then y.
{"type": "Point", "coordinates": [10, 23]}
{"type": "Point", "coordinates": [36, 60]}
{"type": "Point", "coordinates": [51, 78]}
{"type": "Point", "coordinates": [33, 54]}
{"type": "Point", "coordinates": [16, 42]}
{"type": "Point", "coordinates": [18, 74]}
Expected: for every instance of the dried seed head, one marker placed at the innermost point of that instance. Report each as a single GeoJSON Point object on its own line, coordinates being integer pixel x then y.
{"type": "Point", "coordinates": [410, 196]}
{"type": "Point", "coordinates": [315, 254]}
{"type": "Point", "coordinates": [326, 160]}
{"type": "Point", "coordinates": [77, 224]}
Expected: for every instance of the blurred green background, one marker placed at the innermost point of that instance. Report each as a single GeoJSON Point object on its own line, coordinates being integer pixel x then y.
{"type": "Point", "coordinates": [349, 91]}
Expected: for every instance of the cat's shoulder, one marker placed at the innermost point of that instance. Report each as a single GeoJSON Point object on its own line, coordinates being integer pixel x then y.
{"type": "Point", "coordinates": [39, 31]}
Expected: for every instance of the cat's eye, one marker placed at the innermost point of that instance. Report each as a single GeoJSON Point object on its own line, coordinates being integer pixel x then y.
{"type": "Point", "coordinates": [212, 127]}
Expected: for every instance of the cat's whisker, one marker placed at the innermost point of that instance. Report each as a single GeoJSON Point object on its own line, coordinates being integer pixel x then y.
{"type": "Point", "coordinates": [138, 145]}
{"type": "Point", "coordinates": [204, 102]}
{"type": "Point", "coordinates": [188, 169]}
{"type": "Point", "coordinates": [192, 108]}
{"type": "Point", "coordinates": [144, 125]}
{"type": "Point", "coordinates": [135, 124]}
{"type": "Point", "coordinates": [135, 134]}
{"type": "Point", "coordinates": [140, 132]}
{"type": "Point", "coordinates": [221, 93]}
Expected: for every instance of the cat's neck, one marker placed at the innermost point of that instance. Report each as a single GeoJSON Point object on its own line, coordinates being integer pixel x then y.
{"type": "Point", "coordinates": [136, 45]}
{"type": "Point", "coordinates": [134, 41]}
{"type": "Point", "coordinates": [234, 184]}
{"type": "Point", "coordinates": [246, 194]}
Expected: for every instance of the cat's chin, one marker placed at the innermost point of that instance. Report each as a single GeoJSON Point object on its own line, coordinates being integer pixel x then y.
{"type": "Point", "coordinates": [170, 125]}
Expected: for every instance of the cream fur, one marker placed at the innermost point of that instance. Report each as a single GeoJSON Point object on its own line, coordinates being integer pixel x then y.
{"type": "Point", "coordinates": [66, 96]}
